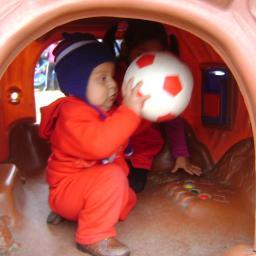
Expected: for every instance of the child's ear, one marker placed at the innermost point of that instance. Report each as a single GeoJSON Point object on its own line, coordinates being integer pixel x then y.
{"type": "Point", "coordinates": [174, 45]}
{"type": "Point", "coordinates": [110, 38]}
{"type": "Point", "coordinates": [123, 51]}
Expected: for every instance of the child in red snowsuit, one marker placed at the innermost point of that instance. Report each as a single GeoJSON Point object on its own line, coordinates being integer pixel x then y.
{"type": "Point", "coordinates": [87, 171]}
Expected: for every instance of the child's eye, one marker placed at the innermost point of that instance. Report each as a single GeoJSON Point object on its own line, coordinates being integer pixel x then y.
{"type": "Point", "coordinates": [104, 78]}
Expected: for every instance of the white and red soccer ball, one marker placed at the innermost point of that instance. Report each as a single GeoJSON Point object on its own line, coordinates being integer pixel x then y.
{"type": "Point", "coordinates": [167, 80]}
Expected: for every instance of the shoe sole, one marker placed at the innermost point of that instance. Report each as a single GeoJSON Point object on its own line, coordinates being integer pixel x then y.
{"type": "Point", "coordinates": [95, 253]}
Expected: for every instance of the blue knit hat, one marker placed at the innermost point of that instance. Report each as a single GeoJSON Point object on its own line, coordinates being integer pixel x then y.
{"type": "Point", "coordinates": [75, 58]}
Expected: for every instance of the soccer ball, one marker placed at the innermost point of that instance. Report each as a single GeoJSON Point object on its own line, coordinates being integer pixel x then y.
{"type": "Point", "coordinates": [167, 80]}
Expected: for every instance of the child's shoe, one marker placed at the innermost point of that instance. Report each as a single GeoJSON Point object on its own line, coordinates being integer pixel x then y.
{"type": "Point", "coordinates": [54, 218]}
{"type": "Point", "coordinates": [107, 247]}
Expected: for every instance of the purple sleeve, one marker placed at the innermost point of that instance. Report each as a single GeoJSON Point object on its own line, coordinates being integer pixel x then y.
{"type": "Point", "coordinates": [176, 133]}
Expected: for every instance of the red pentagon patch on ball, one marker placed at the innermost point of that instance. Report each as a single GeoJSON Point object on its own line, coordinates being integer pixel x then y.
{"type": "Point", "coordinates": [165, 117]}
{"type": "Point", "coordinates": [172, 85]}
{"type": "Point", "coordinates": [145, 60]}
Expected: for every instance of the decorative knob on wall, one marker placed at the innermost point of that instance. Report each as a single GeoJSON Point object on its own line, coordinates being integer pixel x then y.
{"type": "Point", "coordinates": [14, 95]}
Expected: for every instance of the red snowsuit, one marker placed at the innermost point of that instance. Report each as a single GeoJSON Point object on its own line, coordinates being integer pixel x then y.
{"type": "Point", "coordinates": [81, 187]}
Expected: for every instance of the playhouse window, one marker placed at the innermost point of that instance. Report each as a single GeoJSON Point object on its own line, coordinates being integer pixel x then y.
{"type": "Point", "coordinates": [46, 89]}
{"type": "Point", "coordinates": [217, 96]}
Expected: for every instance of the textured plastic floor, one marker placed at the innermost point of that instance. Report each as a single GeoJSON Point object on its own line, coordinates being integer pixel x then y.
{"type": "Point", "coordinates": [156, 227]}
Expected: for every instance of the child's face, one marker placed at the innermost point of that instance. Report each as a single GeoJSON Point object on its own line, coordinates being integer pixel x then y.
{"type": "Point", "coordinates": [102, 89]}
{"type": "Point", "coordinates": [146, 46]}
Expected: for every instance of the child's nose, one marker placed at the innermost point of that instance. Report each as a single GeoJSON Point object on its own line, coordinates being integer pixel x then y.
{"type": "Point", "coordinates": [113, 86]}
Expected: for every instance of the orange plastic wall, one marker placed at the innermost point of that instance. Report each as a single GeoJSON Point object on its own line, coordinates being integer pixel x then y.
{"type": "Point", "coordinates": [195, 52]}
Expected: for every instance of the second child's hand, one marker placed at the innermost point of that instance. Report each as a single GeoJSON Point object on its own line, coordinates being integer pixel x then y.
{"type": "Point", "coordinates": [184, 163]}
{"type": "Point", "coordinates": [131, 97]}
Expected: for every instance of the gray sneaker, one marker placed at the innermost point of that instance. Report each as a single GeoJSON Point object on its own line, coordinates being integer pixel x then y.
{"type": "Point", "coordinates": [106, 247]}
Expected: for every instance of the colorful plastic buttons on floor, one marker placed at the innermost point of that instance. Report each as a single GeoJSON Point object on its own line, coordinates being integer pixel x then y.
{"type": "Point", "coordinates": [204, 196]}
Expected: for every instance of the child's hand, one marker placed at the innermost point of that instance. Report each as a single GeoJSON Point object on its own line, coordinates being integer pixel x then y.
{"type": "Point", "coordinates": [131, 97]}
{"type": "Point", "coordinates": [184, 163]}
